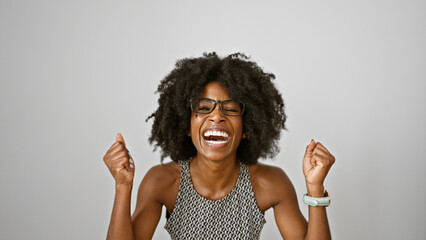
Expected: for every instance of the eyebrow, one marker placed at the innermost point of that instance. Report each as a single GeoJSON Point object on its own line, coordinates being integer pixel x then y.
{"type": "Point", "coordinates": [216, 100]}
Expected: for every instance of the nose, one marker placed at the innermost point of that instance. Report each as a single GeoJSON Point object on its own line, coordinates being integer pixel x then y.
{"type": "Point", "coordinates": [217, 115]}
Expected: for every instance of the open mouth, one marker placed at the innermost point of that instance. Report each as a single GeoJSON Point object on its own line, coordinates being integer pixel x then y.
{"type": "Point", "coordinates": [216, 137]}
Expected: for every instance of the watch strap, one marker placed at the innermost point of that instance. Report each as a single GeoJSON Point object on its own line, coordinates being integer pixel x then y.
{"type": "Point", "coordinates": [315, 201]}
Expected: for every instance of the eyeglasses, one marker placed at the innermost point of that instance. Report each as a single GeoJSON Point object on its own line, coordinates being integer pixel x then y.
{"type": "Point", "coordinates": [207, 105]}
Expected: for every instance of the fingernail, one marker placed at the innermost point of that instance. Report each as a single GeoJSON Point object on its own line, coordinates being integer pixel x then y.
{"type": "Point", "coordinates": [131, 165]}
{"type": "Point", "coordinates": [131, 158]}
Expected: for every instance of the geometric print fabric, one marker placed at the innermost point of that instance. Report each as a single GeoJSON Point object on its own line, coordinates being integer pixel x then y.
{"type": "Point", "coordinates": [236, 216]}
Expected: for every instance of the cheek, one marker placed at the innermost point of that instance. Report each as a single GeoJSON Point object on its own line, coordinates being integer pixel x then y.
{"type": "Point", "coordinates": [238, 126]}
{"type": "Point", "coordinates": [195, 125]}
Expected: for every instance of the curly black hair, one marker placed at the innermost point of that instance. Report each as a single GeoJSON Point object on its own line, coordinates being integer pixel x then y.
{"type": "Point", "coordinates": [245, 81]}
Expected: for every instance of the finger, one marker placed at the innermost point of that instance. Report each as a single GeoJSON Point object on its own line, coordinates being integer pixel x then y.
{"type": "Point", "coordinates": [131, 162]}
{"type": "Point", "coordinates": [323, 161]}
{"type": "Point", "coordinates": [129, 166]}
{"type": "Point", "coordinates": [119, 138]}
{"type": "Point", "coordinates": [320, 146]}
{"type": "Point", "coordinates": [126, 160]}
{"type": "Point", "coordinates": [319, 156]}
{"type": "Point", "coordinates": [116, 162]}
{"type": "Point", "coordinates": [319, 161]}
{"type": "Point", "coordinates": [314, 160]}
{"type": "Point", "coordinates": [113, 146]}
{"type": "Point", "coordinates": [120, 147]}
{"type": "Point", "coordinates": [321, 152]}
{"type": "Point", "coordinates": [131, 159]}
{"type": "Point", "coordinates": [324, 154]}
{"type": "Point", "coordinates": [117, 159]}
{"type": "Point", "coordinates": [310, 148]}
{"type": "Point", "coordinates": [113, 154]}
{"type": "Point", "coordinates": [120, 154]}
{"type": "Point", "coordinates": [120, 163]}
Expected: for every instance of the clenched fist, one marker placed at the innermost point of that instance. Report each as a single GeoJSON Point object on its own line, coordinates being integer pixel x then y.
{"type": "Point", "coordinates": [120, 162]}
{"type": "Point", "coordinates": [316, 163]}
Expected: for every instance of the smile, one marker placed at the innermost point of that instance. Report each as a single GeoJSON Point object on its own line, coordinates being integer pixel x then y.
{"type": "Point", "coordinates": [216, 137]}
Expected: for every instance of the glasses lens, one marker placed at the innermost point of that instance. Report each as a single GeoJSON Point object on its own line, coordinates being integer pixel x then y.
{"type": "Point", "coordinates": [202, 106]}
{"type": "Point", "coordinates": [232, 108]}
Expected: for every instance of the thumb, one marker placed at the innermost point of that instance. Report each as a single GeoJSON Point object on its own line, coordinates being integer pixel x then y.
{"type": "Point", "coordinates": [119, 138]}
{"type": "Point", "coordinates": [310, 149]}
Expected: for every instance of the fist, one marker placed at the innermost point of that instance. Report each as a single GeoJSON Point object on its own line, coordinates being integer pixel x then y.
{"type": "Point", "coordinates": [120, 163]}
{"type": "Point", "coordinates": [316, 163]}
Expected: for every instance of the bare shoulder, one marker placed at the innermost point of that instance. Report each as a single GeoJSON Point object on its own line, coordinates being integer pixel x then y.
{"type": "Point", "coordinates": [267, 174]}
{"type": "Point", "coordinates": [162, 181]}
{"type": "Point", "coordinates": [270, 185]}
{"type": "Point", "coordinates": [163, 172]}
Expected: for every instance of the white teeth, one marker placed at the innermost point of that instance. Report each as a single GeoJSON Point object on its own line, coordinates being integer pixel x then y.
{"type": "Point", "coordinates": [215, 142]}
{"type": "Point", "coordinates": [215, 133]}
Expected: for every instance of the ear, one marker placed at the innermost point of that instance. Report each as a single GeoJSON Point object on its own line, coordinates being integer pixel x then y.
{"type": "Point", "coordinates": [189, 133]}
{"type": "Point", "coordinates": [244, 136]}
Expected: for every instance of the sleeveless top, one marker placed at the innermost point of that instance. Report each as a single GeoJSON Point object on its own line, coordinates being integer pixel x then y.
{"type": "Point", "coordinates": [236, 216]}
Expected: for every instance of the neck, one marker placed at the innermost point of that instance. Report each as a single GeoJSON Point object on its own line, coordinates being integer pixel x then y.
{"type": "Point", "coordinates": [217, 175]}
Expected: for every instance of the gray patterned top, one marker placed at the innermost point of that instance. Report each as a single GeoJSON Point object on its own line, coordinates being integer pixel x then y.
{"type": "Point", "coordinates": [236, 216]}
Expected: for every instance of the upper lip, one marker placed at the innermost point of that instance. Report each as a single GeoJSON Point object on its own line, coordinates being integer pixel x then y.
{"type": "Point", "coordinates": [215, 128]}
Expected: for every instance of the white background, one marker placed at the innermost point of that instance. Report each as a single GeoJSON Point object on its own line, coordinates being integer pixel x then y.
{"type": "Point", "coordinates": [74, 73]}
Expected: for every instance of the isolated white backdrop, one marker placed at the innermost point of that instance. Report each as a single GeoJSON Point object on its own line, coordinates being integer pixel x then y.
{"type": "Point", "coordinates": [74, 73]}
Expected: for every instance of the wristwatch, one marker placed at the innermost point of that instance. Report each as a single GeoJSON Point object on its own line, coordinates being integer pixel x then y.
{"type": "Point", "coordinates": [315, 201]}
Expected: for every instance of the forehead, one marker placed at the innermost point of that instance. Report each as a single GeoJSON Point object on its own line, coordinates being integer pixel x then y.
{"type": "Point", "coordinates": [215, 91]}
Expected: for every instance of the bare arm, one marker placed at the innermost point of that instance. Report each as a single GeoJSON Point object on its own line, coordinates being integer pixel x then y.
{"type": "Point", "coordinates": [121, 166]}
{"type": "Point", "coordinates": [160, 185]}
{"type": "Point", "coordinates": [142, 224]}
{"type": "Point", "coordinates": [316, 164]}
{"type": "Point", "coordinates": [292, 225]}
{"type": "Point", "coordinates": [120, 226]}
{"type": "Point", "coordinates": [148, 205]}
{"type": "Point", "coordinates": [318, 223]}
{"type": "Point", "coordinates": [290, 221]}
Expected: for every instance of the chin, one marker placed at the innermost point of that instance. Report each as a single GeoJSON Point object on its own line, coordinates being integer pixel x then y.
{"type": "Point", "coordinates": [212, 156]}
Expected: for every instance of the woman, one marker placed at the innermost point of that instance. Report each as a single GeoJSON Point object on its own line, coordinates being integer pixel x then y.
{"type": "Point", "coordinates": [216, 117]}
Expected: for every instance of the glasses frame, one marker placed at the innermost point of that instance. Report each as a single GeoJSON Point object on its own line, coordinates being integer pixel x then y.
{"type": "Point", "coordinates": [220, 105]}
